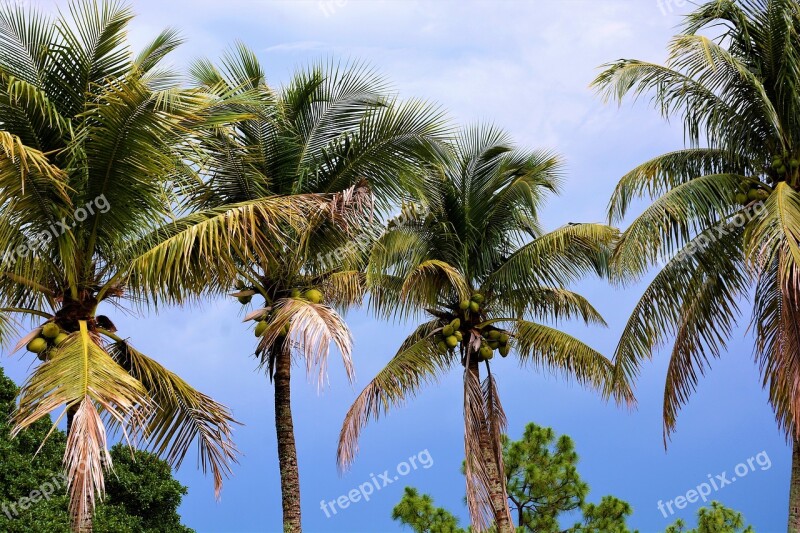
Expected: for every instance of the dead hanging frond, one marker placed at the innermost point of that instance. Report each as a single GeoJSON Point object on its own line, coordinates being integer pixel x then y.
{"type": "Point", "coordinates": [310, 329]}
{"type": "Point", "coordinates": [85, 458]}
{"type": "Point", "coordinates": [475, 466]}
{"type": "Point", "coordinates": [352, 206]}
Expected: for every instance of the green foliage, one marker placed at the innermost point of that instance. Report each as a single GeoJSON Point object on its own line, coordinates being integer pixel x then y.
{"type": "Point", "coordinates": [714, 519]}
{"type": "Point", "coordinates": [418, 513]}
{"type": "Point", "coordinates": [142, 496]}
{"type": "Point", "coordinates": [543, 481]}
{"type": "Point", "coordinates": [609, 516]}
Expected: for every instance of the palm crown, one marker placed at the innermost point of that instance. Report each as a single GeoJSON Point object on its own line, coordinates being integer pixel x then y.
{"type": "Point", "coordinates": [475, 260]}
{"type": "Point", "coordinates": [725, 216]}
{"type": "Point", "coordinates": [93, 142]}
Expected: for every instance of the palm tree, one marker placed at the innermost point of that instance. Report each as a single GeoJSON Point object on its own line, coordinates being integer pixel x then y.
{"type": "Point", "coordinates": [95, 142]}
{"type": "Point", "coordinates": [332, 133]}
{"type": "Point", "coordinates": [476, 261]}
{"type": "Point", "coordinates": [725, 212]}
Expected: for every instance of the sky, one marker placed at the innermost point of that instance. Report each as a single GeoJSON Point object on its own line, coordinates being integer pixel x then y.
{"type": "Point", "coordinates": [526, 67]}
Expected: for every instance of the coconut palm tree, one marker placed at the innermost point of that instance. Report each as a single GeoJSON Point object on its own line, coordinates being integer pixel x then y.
{"type": "Point", "coordinates": [333, 132]}
{"type": "Point", "coordinates": [95, 142]}
{"type": "Point", "coordinates": [725, 216]}
{"type": "Point", "coordinates": [475, 260]}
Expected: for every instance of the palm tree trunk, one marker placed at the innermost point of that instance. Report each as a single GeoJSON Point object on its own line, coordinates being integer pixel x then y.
{"type": "Point", "coordinates": [794, 489]}
{"type": "Point", "coordinates": [287, 452]}
{"type": "Point", "coordinates": [497, 493]}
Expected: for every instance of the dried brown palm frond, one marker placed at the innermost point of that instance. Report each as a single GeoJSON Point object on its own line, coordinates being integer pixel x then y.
{"type": "Point", "coordinates": [312, 330]}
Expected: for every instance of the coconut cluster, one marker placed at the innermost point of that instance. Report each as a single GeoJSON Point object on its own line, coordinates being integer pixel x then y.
{"type": "Point", "coordinates": [51, 335]}
{"type": "Point", "coordinates": [470, 312]}
{"type": "Point", "coordinates": [785, 164]}
{"type": "Point", "coordinates": [749, 193]}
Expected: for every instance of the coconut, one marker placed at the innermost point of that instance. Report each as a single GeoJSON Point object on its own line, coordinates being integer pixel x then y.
{"type": "Point", "coordinates": [752, 194]}
{"type": "Point", "coordinates": [493, 335]}
{"type": "Point", "coordinates": [239, 284]}
{"type": "Point", "coordinates": [261, 327]}
{"type": "Point", "coordinates": [60, 338]}
{"type": "Point", "coordinates": [777, 162]}
{"type": "Point", "coordinates": [448, 330]}
{"type": "Point", "coordinates": [441, 346]}
{"type": "Point", "coordinates": [50, 330]}
{"type": "Point", "coordinates": [314, 296]}
{"type": "Point", "coordinates": [458, 335]}
{"type": "Point", "coordinates": [295, 293]}
{"type": "Point", "coordinates": [456, 323]}
{"type": "Point", "coordinates": [781, 169]}
{"type": "Point", "coordinates": [37, 345]}
{"type": "Point", "coordinates": [463, 305]}
{"type": "Point", "coordinates": [493, 345]}
{"type": "Point", "coordinates": [485, 352]}
{"type": "Point", "coordinates": [761, 195]}
{"type": "Point", "coordinates": [794, 163]}
{"type": "Point", "coordinates": [474, 307]}
{"type": "Point", "coordinates": [477, 297]}
{"type": "Point", "coordinates": [451, 341]}
{"type": "Point", "coordinates": [741, 198]}
{"type": "Point", "coordinates": [244, 300]}
{"type": "Point", "coordinates": [503, 338]}
{"type": "Point", "coordinates": [505, 350]}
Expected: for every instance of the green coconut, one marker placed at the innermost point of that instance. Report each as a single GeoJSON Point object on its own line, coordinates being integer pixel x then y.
{"type": "Point", "coordinates": [761, 195]}
{"type": "Point", "coordinates": [459, 336]}
{"type": "Point", "coordinates": [50, 330]}
{"type": "Point", "coordinates": [777, 162]}
{"type": "Point", "coordinates": [314, 296]}
{"type": "Point", "coordinates": [261, 327]}
{"type": "Point", "coordinates": [60, 338]}
{"type": "Point", "coordinates": [794, 163]}
{"type": "Point", "coordinates": [493, 335]}
{"type": "Point", "coordinates": [441, 346]}
{"type": "Point", "coordinates": [741, 198]}
{"type": "Point", "coordinates": [295, 293]}
{"type": "Point", "coordinates": [504, 338]}
{"type": "Point", "coordinates": [477, 297]}
{"type": "Point", "coordinates": [244, 300]}
{"type": "Point", "coordinates": [451, 341]}
{"type": "Point", "coordinates": [37, 345]}
{"type": "Point", "coordinates": [505, 350]}
{"type": "Point", "coordinates": [463, 305]}
{"type": "Point", "coordinates": [752, 194]}
{"type": "Point", "coordinates": [448, 330]}
{"type": "Point", "coordinates": [456, 323]}
{"type": "Point", "coordinates": [239, 284]}
{"type": "Point", "coordinates": [781, 169]}
{"type": "Point", "coordinates": [485, 353]}
{"type": "Point", "coordinates": [474, 307]}
{"type": "Point", "coordinates": [493, 345]}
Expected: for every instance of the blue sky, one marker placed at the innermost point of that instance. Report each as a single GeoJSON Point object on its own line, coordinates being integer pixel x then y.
{"type": "Point", "coordinates": [526, 66]}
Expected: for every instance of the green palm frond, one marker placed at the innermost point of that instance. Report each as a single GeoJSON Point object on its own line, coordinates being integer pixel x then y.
{"type": "Point", "coordinates": [547, 348]}
{"type": "Point", "coordinates": [417, 363]}
{"type": "Point", "coordinates": [181, 416]}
